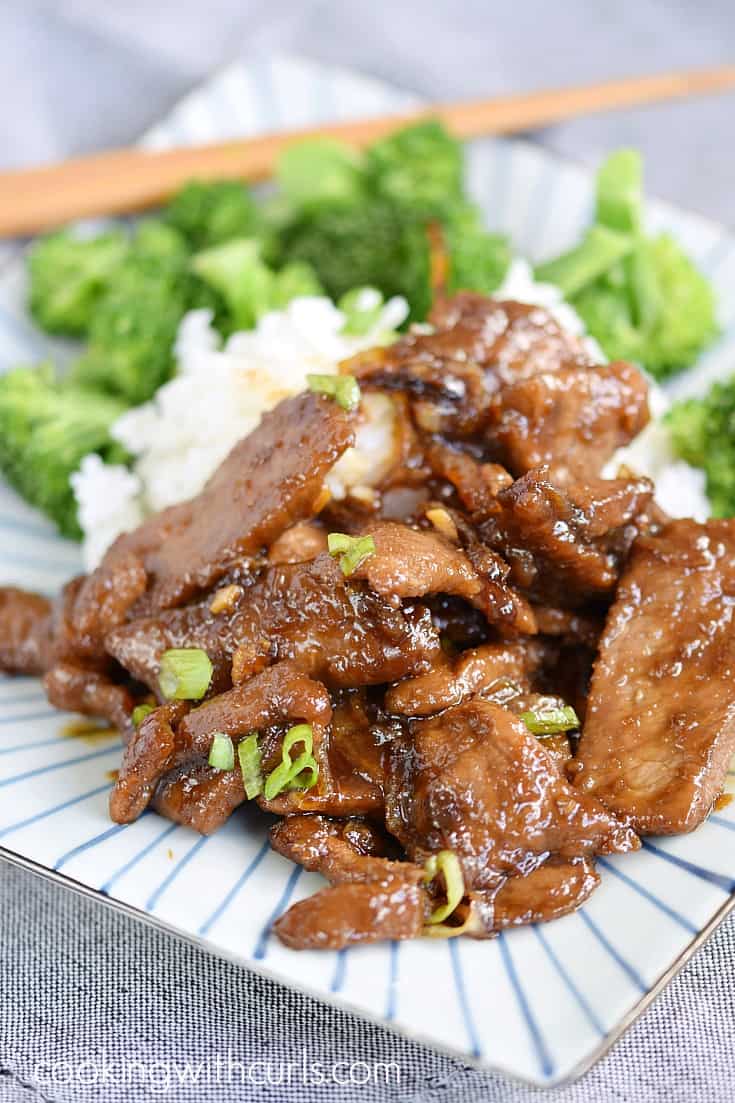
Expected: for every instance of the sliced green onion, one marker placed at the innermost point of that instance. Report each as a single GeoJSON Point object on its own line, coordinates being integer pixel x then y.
{"type": "Point", "coordinates": [184, 674]}
{"type": "Point", "coordinates": [298, 773]}
{"type": "Point", "coordinates": [344, 389]}
{"type": "Point", "coordinates": [221, 753]}
{"type": "Point", "coordinates": [445, 862]}
{"type": "Point", "coordinates": [352, 550]}
{"type": "Point", "coordinates": [470, 925]}
{"type": "Point", "coordinates": [248, 753]}
{"type": "Point", "coordinates": [550, 720]}
{"type": "Point", "coordinates": [139, 714]}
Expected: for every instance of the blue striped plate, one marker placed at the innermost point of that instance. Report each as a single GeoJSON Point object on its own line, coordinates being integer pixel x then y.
{"type": "Point", "coordinates": [539, 1004]}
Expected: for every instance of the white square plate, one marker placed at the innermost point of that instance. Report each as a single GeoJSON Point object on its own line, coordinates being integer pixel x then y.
{"type": "Point", "coordinates": [540, 1003]}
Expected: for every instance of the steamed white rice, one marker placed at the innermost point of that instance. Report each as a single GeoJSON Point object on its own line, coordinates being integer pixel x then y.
{"type": "Point", "coordinates": [219, 394]}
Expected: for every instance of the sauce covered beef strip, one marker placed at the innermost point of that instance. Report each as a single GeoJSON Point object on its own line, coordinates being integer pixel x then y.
{"type": "Point", "coordinates": [175, 736]}
{"type": "Point", "coordinates": [565, 545]}
{"type": "Point", "coordinates": [572, 419]}
{"type": "Point", "coordinates": [410, 563]}
{"type": "Point", "coordinates": [25, 631]}
{"type": "Point", "coordinates": [660, 726]}
{"type": "Point", "coordinates": [357, 912]}
{"type": "Point", "coordinates": [350, 762]}
{"type": "Point", "coordinates": [479, 670]}
{"type": "Point", "coordinates": [372, 898]}
{"type": "Point", "coordinates": [553, 889]}
{"type": "Point", "coordinates": [504, 375]}
{"type": "Point", "coordinates": [429, 744]}
{"type": "Point", "coordinates": [336, 629]}
{"type": "Point", "coordinates": [270, 480]}
{"type": "Point", "coordinates": [475, 781]}
{"type": "Point", "coordinates": [476, 347]}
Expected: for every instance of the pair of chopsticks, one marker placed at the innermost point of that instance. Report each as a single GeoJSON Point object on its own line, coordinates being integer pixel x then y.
{"type": "Point", "coordinates": [129, 180]}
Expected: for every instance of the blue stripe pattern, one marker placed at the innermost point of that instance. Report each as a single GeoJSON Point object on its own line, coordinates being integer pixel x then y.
{"type": "Point", "coordinates": [27, 717]}
{"type": "Point", "coordinates": [132, 862]}
{"type": "Point", "coordinates": [242, 879]}
{"type": "Point", "coordinates": [464, 1003]}
{"type": "Point", "coordinates": [340, 972]}
{"type": "Point", "coordinates": [261, 946]}
{"type": "Point", "coordinates": [23, 698]}
{"type": "Point", "coordinates": [650, 896]}
{"type": "Point", "coordinates": [37, 529]}
{"type": "Point", "coordinates": [567, 980]}
{"type": "Point", "coordinates": [31, 746]}
{"type": "Point", "coordinates": [392, 990]}
{"type": "Point", "coordinates": [58, 766]}
{"type": "Point", "coordinates": [89, 844]}
{"type": "Point", "coordinates": [632, 974]}
{"type": "Point", "coordinates": [542, 1054]}
{"type": "Point", "coordinates": [56, 808]}
{"type": "Point", "coordinates": [727, 884]}
{"type": "Point", "coordinates": [41, 563]}
{"type": "Point", "coordinates": [171, 877]}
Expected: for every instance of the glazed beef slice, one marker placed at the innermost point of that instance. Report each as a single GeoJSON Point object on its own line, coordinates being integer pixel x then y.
{"type": "Point", "coordinates": [565, 545]}
{"type": "Point", "coordinates": [477, 347]}
{"type": "Point", "coordinates": [338, 631]}
{"type": "Point", "coordinates": [477, 782]}
{"type": "Point", "coordinates": [25, 631]}
{"type": "Point", "coordinates": [271, 479]}
{"type": "Point", "coordinates": [660, 728]}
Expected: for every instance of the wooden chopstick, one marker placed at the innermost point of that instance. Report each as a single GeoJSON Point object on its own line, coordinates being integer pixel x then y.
{"type": "Point", "coordinates": [128, 180]}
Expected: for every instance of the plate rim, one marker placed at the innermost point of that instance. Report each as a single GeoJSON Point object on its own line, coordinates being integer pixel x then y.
{"type": "Point", "coordinates": [578, 1070]}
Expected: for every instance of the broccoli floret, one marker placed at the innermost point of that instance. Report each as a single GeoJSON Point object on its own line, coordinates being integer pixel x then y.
{"type": "Point", "coordinates": [248, 287]}
{"type": "Point", "coordinates": [313, 171]}
{"type": "Point", "coordinates": [237, 273]}
{"type": "Point", "coordinates": [294, 281]}
{"type": "Point", "coordinates": [420, 166]}
{"type": "Point", "coordinates": [478, 260]}
{"type": "Point", "coordinates": [132, 333]}
{"type": "Point", "coordinates": [383, 244]}
{"type": "Point", "coordinates": [703, 434]}
{"type": "Point", "coordinates": [209, 213]}
{"type": "Point", "coordinates": [157, 240]}
{"type": "Point", "coordinates": [46, 427]}
{"type": "Point", "coordinates": [372, 244]}
{"type": "Point", "coordinates": [68, 275]}
{"type": "Point", "coordinates": [130, 351]}
{"type": "Point", "coordinates": [641, 297]}
{"type": "Point", "coordinates": [661, 314]}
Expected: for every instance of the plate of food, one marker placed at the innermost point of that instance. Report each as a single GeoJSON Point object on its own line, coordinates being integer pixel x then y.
{"type": "Point", "coordinates": [371, 531]}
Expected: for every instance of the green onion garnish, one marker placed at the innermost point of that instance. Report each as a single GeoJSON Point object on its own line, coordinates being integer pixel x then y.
{"type": "Point", "coordinates": [221, 753]}
{"type": "Point", "coordinates": [248, 753]}
{"type": "Point", "coordinates": [185, 674]}
{"type": "Point", "coordinates": [445, 862]}
{"type": "Point", "coordinates": [352, 550]}
{"type": "Point", "coordinates": [550, 720]}
{"type": "Point", "coordinates": [344, 389]}
{"type": "Point", "coordinates": [470, 925]}
{"type": "Point", "coordinates": [139, 714]}
{"type": "Point", "coordinates": [299, 773]}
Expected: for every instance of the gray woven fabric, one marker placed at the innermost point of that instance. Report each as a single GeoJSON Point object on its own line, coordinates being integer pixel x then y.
{"type": "Point", "coordinates": [80, 983]}
{"type": "Point", "coordinates": [83, 988]}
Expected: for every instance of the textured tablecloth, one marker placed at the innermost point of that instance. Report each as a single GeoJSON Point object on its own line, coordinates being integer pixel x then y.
{"type": "Point", "coordinates": [94, 1005]}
